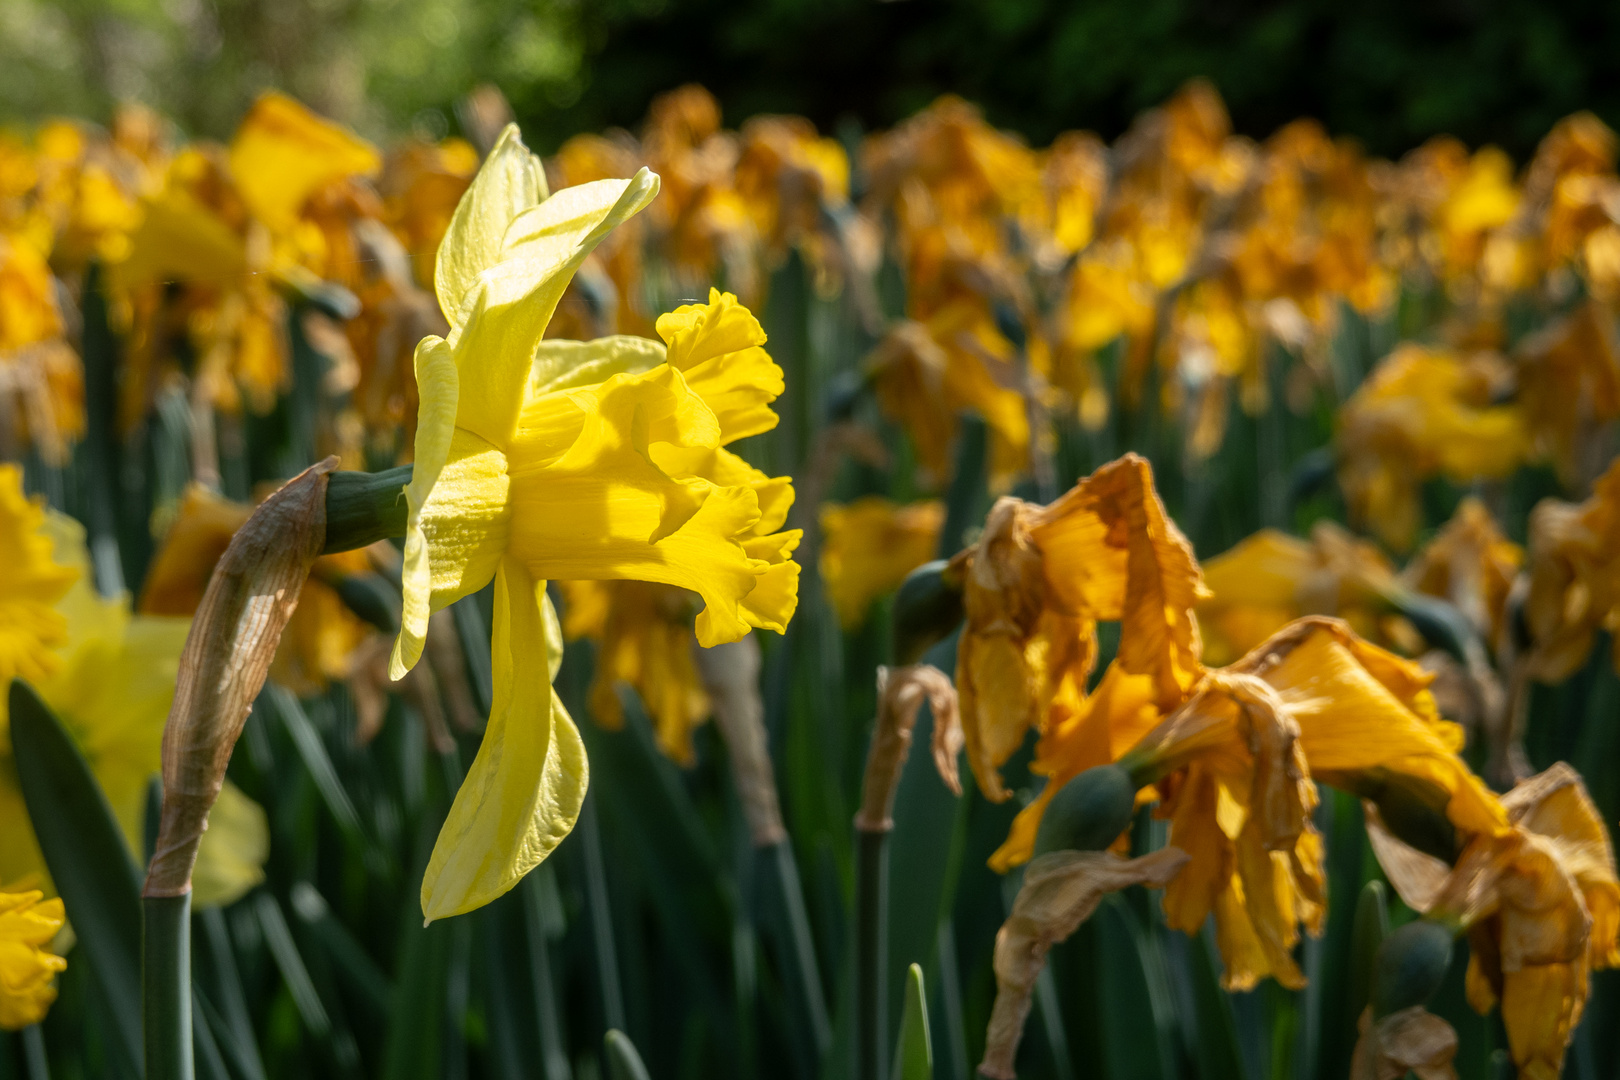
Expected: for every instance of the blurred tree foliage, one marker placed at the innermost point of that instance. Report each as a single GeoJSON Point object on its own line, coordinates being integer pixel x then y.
{"type": "Point", "coordinates": [1390, 72]}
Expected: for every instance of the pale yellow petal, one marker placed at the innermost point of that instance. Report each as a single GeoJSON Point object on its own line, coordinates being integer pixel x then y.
{"type": "Point", "coordinates": [509, 182]}
{"type": "Point", "coordinates": [513, 300]}
{"type": "Point", "coordinates": [526, 786]}
{"type": "Point", "coordinates": [438, 387]}
{"type": "Point", "coordinates": [230, 859]}
{"type": "Point", "coordinates": [560, 364]}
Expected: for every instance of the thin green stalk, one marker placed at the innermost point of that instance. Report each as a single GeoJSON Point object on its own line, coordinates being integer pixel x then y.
{"type": "Point", "coordinates": [871, 952]}
{"type": "Point", "coordinates": [804, 947]}
{"type": "Point", "coordinates": [166, 986]}
{"type": "Point", "coordinates": [34, 1059]}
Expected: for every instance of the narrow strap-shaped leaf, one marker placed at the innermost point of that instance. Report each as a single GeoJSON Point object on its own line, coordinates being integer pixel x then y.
{"type": "Point", "coordinates": [88, 859]}
{"type": "Point", "coordinates": [914, 1051]}
{"type": "Point", "coordinates": [623, 1062]}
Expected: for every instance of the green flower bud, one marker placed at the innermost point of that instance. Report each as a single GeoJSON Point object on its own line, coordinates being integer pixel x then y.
{"type": "Point", "coordinates": [1088, 812]}
{"type": "Point", "coordinates": [1410, 966]}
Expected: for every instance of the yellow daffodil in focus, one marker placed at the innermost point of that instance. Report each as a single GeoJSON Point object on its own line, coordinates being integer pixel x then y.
{"type": "Point", "coordinates": [109, 677]}
{"type": "Point", "coordinates": [869, 546]}
{"type": "Point", "coordinates": [30, 627]}
{"type": "Point", "coordinates": [28, 968]}
{"type": "Point", "coordinates": [539, 459]}
{"type": "Point", "coordinates": [643, 635]}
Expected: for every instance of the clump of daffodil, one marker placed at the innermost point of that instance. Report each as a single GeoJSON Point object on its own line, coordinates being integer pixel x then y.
{"type": "Point", "coordinates": [1540, 903]}
{"type": "Point", "coordinates": [869, 546]}
{"type": "Point", "coordinates": [1574, 579]}
{"type": "Point", "coordinates": [1314, 701]}
{"type": "Point", "coordinates": [643, 635]}
{"type": "Point", "coordinates": [28, 968]}
{"type": "Point", "coordinates": [109, 676]}
{"type": "Point", "coordinates": [540, 459]}
{"type": "Point", "coordinates": [1423, 413]}
{"type": "Point", "coordinates": [1037, 582]}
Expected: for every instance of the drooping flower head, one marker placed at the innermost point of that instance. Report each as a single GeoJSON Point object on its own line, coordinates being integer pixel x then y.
{"type": "Point", "coordinates": [1038, 581]}
{"type": "Point", "coordinates": [1574, 578]}
{"type": "Point", "coordinates": [1540, 901]}
{"type": "Point", "coordinates": [544, 458]}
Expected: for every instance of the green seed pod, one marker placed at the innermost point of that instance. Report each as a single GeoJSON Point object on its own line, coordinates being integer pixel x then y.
{"type": "Point", "coordinates": [1088, 812]}
{"type": "Point", "coordinates": [926, 609]}
{"type": "Point", "coordinates": [1410, 966]}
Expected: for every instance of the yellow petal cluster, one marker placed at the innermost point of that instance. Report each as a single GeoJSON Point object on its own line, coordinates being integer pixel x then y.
{"type": "Point", "coordinates": [542, 459]}
{"type": "Point", "coordinates": [868, 547]}
{"type": "Point", "coordinates": [28, 968]}
{"type": "Point", "coordinates": [1424, 412]}
{"type": "Point", "coordinates": [1574, 578]}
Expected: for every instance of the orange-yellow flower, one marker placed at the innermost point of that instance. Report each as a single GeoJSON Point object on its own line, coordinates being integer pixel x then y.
{"type": "Point", "coordinates": [1574, 578]}
{"type": "Point", "coordinates": [28, 968]}
{"type": "Point", "coordinates": [1038, 581]}
{"type": "Point", "coordinates": [870, 545]}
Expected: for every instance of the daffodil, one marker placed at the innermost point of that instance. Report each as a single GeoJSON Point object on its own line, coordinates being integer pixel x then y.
{"type": "Point", "coordinates": [1271, 579]}
{"type": "Point", "coordinates": [1471, 564]}
{"type": "Point", "coordinates": [28, 968]}
{"type": "Point", "coordinates": [109, 676]}
{"type": "Point", "coordinates": [1038, 581]}
{"type": "Point", "coordinates": [1423, 413]}
{"type": "Point", "coordinates": [870, 545]}
{"type": "Point", "coordinates": [1541, 903]}
{"type": "Point", "coordinates": [643, 635]}
{"type": "Point", "coordinates": [1574, 579]}
{"type": "Point", "coordinates": [539, 459]}
{"type": "Point", "coordinates": [1568, 375]}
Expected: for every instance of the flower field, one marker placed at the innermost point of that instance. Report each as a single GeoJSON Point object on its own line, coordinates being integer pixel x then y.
{"type": "Point", "coordinates": [762, 603]}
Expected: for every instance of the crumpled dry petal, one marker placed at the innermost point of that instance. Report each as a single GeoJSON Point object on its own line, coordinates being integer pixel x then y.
{"type": "Point", "coordinates": [1411, 1040]}
{"type": "Point", "coordinates": [1060, 891]}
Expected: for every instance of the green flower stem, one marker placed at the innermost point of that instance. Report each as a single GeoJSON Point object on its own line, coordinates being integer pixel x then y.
{"type": "Point", "coordinates": [362, 508]}
{"type": "Point", "coordinates": [871, 949]}
{"type": "Point", "coordinates": [166, 986]}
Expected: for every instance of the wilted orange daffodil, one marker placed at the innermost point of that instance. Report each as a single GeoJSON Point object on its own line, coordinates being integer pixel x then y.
{"type": "Point", "coordinates": [1424, 412]}
{"type": "Point", "coordinates": [1574, 579]}
{"type": "Point", "coordinates": [1036, 584]}
{"type": "Point", "coordinates": [544, 458]}
{"type": "Point", "coordinates": [28, 968]}
{"type": "Point", "coordinates": [869, 546]}
{"type": "Point", "coordinates": [1540, 902]}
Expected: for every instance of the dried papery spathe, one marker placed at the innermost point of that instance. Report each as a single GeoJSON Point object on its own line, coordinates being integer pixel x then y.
{"type": "Point", "coordinates": [1060, 891]}
{"type": "Point", "coordinates": [249, 600]}
{"type": "Point", "coordinates": [1411, 1040]}
{"type": "Point", "coordinates": [901, 694]}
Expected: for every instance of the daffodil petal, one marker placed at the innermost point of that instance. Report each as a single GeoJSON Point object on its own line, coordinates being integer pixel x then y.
{"type": "Point", "coordinates": [510, 181]}
{"type": "Point", "coordinates": [437, 384]}
{"type": "Point", "coordinates": [717, 347]}
{"type": "Point", "coordinates": [526, 786]}
{"type": "Point", "coordinates": [514, 299]}
{"type": "Point", "coordinates": [560, 364]}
